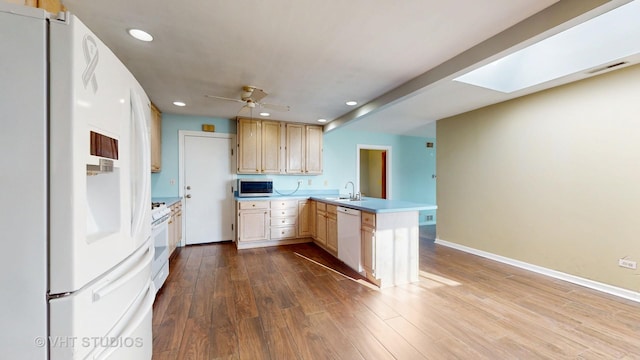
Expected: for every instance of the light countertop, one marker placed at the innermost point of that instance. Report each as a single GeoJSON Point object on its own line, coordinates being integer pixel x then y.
{"type": "Point", "coordinates": [373, 205]}
{"type": "Point", "coordinates": [167, 200]}
{"type": "Point", "coordinates": [376, 205]}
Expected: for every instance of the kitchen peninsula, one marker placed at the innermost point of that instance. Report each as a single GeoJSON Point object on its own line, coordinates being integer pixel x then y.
{"type": "Point", "coordinates": [386, 250]}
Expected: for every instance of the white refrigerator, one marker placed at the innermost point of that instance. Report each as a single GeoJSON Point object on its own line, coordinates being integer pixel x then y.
{"type": "Point", "coordinates": [75, 177]}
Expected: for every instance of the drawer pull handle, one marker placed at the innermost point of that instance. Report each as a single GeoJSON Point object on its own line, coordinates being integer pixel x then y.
{"type": "Point", "coordinates": [254, 205]}
{"type": "Point", "coordinates": [283, 221]}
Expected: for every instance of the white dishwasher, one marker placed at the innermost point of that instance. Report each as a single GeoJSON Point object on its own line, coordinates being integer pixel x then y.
{"type": "Point", "coordinates": [349, 244]}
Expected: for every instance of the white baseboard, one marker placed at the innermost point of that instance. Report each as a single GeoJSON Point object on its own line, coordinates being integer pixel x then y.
{"type": "Point", "coordinates": [609, 289]}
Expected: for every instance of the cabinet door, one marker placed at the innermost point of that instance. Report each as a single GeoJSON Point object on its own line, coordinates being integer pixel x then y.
{"type": "Point", "coordinates": [156, 139]}
{"type": "Point", "coordinates": [332, 233]}
{"type": "Point", "coordinates": [249, 146]}
{"type": "Point", "coordinates": [368, 249]}
{"type": "Point", "coordinates": [270, 147]}
{"type": "Point", "coordinates": [321, 228]}
{"type": "Point", "coordinates": [253, 225]}
{"type": "Point", "coordinates": [179, 225]}
{"type": "Point", "coordinates": [295, 148]}
{"type": "Point", "coordinates": [304, 220]}
{"type": "Point", "coordinates": [172, 230]}
{"type": "Point", "coordinates": [312, 218]}
{"type": "Point", "coordinates": [313, 153]}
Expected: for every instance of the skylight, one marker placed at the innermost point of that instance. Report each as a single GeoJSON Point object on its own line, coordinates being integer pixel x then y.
{"type": "Point", "coordinates": [601, 41]}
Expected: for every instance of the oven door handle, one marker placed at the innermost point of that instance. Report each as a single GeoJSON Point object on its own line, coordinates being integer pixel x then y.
{"type": "Point", "coordinates": [162, 222]}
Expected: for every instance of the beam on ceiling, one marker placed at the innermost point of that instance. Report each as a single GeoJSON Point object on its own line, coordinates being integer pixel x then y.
{"type": "Point", "coordinates": [558, 17]}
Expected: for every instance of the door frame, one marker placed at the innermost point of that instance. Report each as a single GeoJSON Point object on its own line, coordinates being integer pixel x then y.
{"type": "Point", "coordinates": [388, 172]}
{"type": "Point", "coordinates": [181, 136]}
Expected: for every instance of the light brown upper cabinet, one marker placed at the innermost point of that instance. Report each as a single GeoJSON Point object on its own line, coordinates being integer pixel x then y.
{"type": "Point", "coordinates": [304, 149]}
{"type": "Point", "coordinates": [313, 153]}
{"type": "Point", "coordinates": [271, 147]}
{"type": "Point", "coordinates": [295, 149]}
{"type": "Point", "coordinates": [249, 146]}
{"type": "Point", "coordinates": [258, 146]}
{"type": "Point", "coordinates": [276, 147]}
{"type": "Point", "coordinates": [156, 139]}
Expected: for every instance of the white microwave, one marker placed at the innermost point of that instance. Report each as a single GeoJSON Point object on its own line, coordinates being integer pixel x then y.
{"type": "Point", "coordinates": [255, 187]}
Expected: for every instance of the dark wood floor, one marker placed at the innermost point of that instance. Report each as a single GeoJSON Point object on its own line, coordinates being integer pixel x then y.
{"type": "Point", "coordinates": [290, 303]}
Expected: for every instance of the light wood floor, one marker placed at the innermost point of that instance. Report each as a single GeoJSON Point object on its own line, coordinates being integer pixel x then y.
{"type": "Point", "coordinates": [276, 303]}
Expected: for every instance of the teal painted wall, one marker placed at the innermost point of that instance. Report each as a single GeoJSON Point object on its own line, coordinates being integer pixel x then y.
{"type": "Point", "coordinates": [161, 185]}
{"type": "Point", "coordinates": [412, 163]}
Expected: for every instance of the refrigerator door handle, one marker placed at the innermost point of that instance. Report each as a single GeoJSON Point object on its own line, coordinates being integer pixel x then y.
{"type": "Point", "coordinates": [113, 285]}
{"type": "Point", "coordinates": [142, 168]}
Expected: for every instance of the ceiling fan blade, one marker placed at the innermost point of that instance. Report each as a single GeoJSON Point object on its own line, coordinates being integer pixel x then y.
{"type": "Point", "coordinates": [258, 94]}
{"type": "Point", "coordinates": [245, 111]}
{"type": "Point", "coordinates": [275, 107]}
{"type": "Point", "coordinates": [224, 98]}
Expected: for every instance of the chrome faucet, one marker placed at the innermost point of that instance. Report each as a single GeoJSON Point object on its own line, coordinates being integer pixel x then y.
{"type": "Point", "coordinates": [352, 195]}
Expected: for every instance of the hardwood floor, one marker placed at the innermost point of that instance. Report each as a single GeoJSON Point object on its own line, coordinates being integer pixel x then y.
{"type": "Point", "coordinates": [289, 303]}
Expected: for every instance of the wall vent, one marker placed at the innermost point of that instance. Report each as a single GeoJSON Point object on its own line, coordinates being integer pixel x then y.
{"type": "Point", "coordinates": [607, 67]}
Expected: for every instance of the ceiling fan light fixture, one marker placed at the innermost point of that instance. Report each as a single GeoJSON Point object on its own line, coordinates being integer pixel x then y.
{"type": "Point", "coordinates": [351, 103]}
{"type": "Point", "coordinates": [140, 35]}
{"type": "Point", "coordinates": [179, 103]}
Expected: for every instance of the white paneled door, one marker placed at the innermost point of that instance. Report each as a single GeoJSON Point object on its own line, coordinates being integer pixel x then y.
{"type": "Point", "coordinates": [208, 184]}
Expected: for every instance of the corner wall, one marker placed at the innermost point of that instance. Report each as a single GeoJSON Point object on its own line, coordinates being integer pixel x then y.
{"type": "Point", "coordinates": [551, 179]}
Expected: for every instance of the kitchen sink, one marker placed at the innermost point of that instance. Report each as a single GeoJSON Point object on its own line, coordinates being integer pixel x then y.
{"type": "Point", "coordinates": [341, 199]}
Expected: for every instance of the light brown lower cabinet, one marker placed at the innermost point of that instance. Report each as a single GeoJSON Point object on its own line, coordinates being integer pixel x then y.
{"type": "Point", "coordinates": [284, 219]}
{"type": "Point", "coordinates": [367, 232]}
{"type": "Point", "coordinates": [272, 222]}
{"type": "Point", "coordinates": [332, 229]}
{"type": "Point", "coordinates": [305, 217]}
{"type": "Point", "coordinates": [175, 226]}
{"type": "Point", "coordinates": [253, 221]}
{"type": "Point", "coordinates": [389, 252]}
{"type": "Point", "coordinates": [321, 224]}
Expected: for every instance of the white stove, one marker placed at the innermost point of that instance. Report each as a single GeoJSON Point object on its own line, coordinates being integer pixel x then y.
{"type": "Point", "coordinates": [160, 215]}
{"type": "Point", "coordinates": [159, 212]}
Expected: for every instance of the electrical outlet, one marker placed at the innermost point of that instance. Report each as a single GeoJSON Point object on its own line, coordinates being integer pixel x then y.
{"type": "Point", "coordinates": [629, 264]}
{"type": "Point", "coordinates": [429, 217]}
{"type": "Point", "coordinates": [309, 182]}
{"type": "Point", "coordinates": [299, 182]}
{"type": "Point", "coordinates": [172, 182]}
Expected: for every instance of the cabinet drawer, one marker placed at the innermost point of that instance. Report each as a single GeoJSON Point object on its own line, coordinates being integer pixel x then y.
{"type": "Point", "coordinates": [283, 232]}
{"type": "Point", "coordinates": [321, 206]}
{"type": "Point", "coordinates": [284, 204]}
{"type": "Point", "coordinates": [244, 205]}
{"type": "Point", "coordinates": [283, 221]}
{"type": "Point", "coordinates": [368, 219]}
{"type": "Point", "coordinates": [284, 212]}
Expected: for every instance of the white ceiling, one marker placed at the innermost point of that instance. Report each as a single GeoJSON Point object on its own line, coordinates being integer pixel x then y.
{"type": "Point", "coordinates": [397, 56]}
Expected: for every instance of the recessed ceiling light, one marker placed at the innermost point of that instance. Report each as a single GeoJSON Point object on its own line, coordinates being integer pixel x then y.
{"type": "Point", "coordinates": [140, 35]}
{"type": "Point", "coordinates": [264, 114]}
{"type": "Point", "coordinates": [322, 120]}
{"type": "Point", "coordinates": [351, 103]}
{"type": "Point", "coordinates": [603, 40]}
{"type": "Point", "coordinates": [179, 103]}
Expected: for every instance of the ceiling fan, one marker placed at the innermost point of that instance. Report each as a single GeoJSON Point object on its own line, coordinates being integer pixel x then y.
{"type": "Point", "coordinates": [251, 97]}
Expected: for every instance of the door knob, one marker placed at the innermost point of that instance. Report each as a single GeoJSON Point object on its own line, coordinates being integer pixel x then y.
{"type": "Point", "coordinates": [188, 196]}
